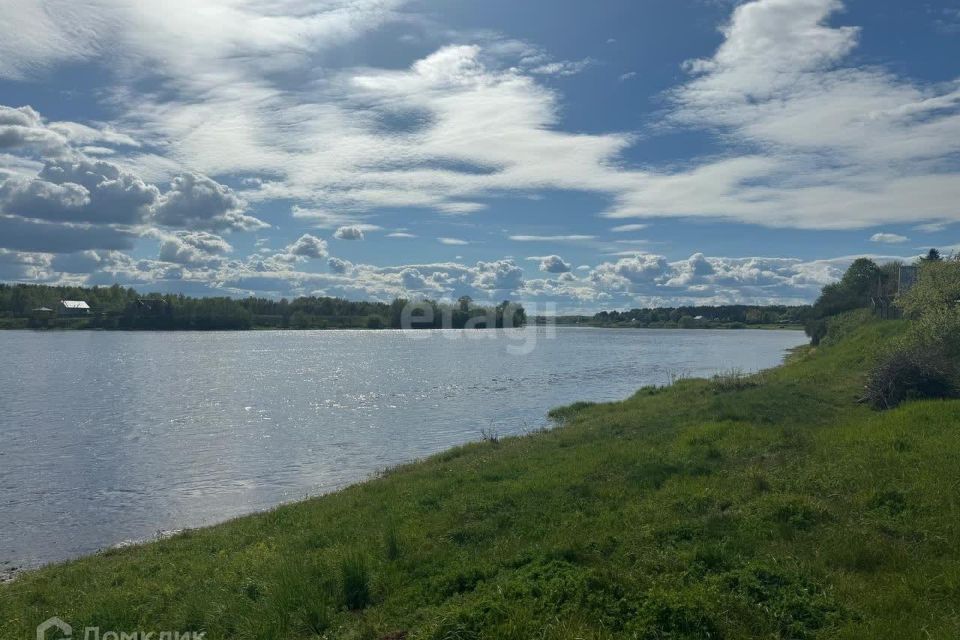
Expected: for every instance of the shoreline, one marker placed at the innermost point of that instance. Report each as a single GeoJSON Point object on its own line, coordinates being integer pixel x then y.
{"type": "Point", "coordinates": [388, 329]}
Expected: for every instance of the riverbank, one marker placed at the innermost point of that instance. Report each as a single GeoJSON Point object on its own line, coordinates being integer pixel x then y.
{"type": "Point", "coordinates": [764, 506]}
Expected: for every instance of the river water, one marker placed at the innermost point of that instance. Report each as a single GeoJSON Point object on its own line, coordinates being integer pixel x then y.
{"type": "Point", "coordinates": [108, 437]}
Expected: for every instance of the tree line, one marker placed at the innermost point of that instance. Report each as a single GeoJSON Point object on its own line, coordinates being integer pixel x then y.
{"type": "Point", "coordinates": [865, 285]}
{"type": "Point", "coordinates": [117, 307]}
{"type": "Point", "coordinates": [924, 361]}
{"type": "Point", "coordinates": [722, 316]}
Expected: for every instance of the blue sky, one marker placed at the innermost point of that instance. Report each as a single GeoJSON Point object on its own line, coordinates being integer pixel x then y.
{"type": "Point", "coordinates": [586, 155]}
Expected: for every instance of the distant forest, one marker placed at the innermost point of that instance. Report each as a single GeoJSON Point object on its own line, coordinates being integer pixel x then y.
{"type": "Point", "coordinates": [706, 317]}
{"type": "Point", "coordinates": [116, 307]}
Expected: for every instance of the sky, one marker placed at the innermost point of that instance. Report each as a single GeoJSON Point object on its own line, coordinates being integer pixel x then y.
{"type": "Point", "coordinates": [581, 155]}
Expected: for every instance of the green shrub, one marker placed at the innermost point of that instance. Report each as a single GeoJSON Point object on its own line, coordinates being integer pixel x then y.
{"type": "Point", "coordinates": [938, 285]}
{"type": "Point", "coordinates": [910, 373]}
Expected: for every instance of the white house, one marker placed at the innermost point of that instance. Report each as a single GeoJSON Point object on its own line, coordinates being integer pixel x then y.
{"type": "Point", "coordinates": [74, 308]}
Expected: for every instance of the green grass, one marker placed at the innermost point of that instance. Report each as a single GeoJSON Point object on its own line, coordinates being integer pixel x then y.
{"type": "Point", "coordinates": [771, 507]}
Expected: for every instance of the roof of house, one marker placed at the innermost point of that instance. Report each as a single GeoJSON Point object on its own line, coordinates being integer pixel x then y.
{"type": "Point", "coordinates": [74, 304]}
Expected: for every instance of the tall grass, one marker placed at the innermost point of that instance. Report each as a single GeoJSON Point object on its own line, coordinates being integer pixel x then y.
{"type": "Point", "coordinates": [391, 543]}
{"type": "Point", "coordinates": [355, 580]}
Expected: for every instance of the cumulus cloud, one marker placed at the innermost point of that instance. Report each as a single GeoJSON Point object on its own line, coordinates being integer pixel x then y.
{"type": "Point", "coordinates": [350, 232]}
{"type": "Point", "coordinates": [888, 238]}
{"type": "Point", "coordinates": [196, 248]}
{"type": "Point", "coordinates": [16, 266]}
{"type": "Point", "coordinates": [339, 265]}
{"type": "Point", "coordinates": [42, 199]}
{"type": "Point", "coordinates": [79, 191]}
{"type": "Point", "coordinates": [647, 279]}
{"type": "Point", "coordinates": [23, 126]}
{"type": "Point", "coordinates": [56, 199]}
{"type": "Point", "coordinates": [308, 246]}
{"type": "Point", "coordinates": [115, 195]}
{"type": "Point", "coordinates": [486, 280]}
{"type": "Point", "coordinates": [553, 264]}
{"type": "Point", "coordinates": [640, 268]}
{"type": "Point", "coordinates": [638, 280]}
{"type": "Point", "coordinates": [197, 202]}
{"type": "Point", "coordinates": [499, 275]}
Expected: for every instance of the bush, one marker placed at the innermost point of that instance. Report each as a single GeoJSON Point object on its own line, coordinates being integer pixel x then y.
{"type": "Point", "coordinates": [910, 373]}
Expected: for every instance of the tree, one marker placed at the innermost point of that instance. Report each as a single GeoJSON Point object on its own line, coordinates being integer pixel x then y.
{"type": "Point", "coordinates": [855, 290]}
{"type": "Point", "coordinates": [937, 285]}
{"type": "Point", "coordinates": [932, 256]}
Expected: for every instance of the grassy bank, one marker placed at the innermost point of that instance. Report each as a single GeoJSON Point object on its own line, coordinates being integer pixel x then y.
{"type": "Point", "coordinates": [771, 506]}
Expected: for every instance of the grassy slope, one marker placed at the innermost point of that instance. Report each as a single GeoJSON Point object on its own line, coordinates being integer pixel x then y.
{"type": "Point", "coordinates": [775, 507]}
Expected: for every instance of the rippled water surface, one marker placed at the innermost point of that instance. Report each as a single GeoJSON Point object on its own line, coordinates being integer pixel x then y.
{"type": "Point", "coordinates": [107, 436]}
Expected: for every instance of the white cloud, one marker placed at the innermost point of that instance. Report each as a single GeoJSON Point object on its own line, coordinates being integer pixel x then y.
{"type": "Point", "coordinates": [624, 228]}
{"type": "Point", "coordinates": [195, 248]}
{"type": "Point", "coordinates": [176, 37]}
{"type": "Point", "coordinates": [198, 202]}
{"type": "Point", "coordinates": [820, 145]}
{"type": "Point", "coordinates": [888, 238]}
{"type": "Point", "coordinates": [554, 264]}
{"type": "Point", "coordinates": [804, 128]}
{"type": "Point", "coordinates": [308, 246]}
{"type": "Point", "coordinates": [401, 234]}
{"type": "Point", "coordinates": [338, 265]}
{"type": "Point", "coordinates": [629, 75]}
{"type": "Point", "coordinates": [56, 199]}
{"type": "Point", "coordinates": [809, 138]}
{"type": "Point", "coordinates": [16, 266]}
{"type": "Point", "coordinates": [460, 208]}
{"type": "Point", "coordinates": [452, 241]}
{"type": "Point", "coordinates": [321, 218]}
{"type": "Point", "coordinates": [559, 238]}
{"type": "Point", "coordinates": [499, 275]}
{"type": "Point", "coordinates": [352, 232]}
{"type": "Point", "coordinates": [562, 68]}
